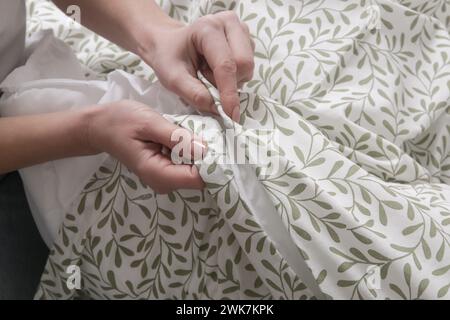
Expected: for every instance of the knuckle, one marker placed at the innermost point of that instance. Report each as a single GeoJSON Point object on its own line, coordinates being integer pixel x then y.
{"type": "Point", "coordinates": [229, 15]}
{"type": "Point", "coordinates": [201, 32]}
{"type": "Point", "coordinates": [200, 97]}
{"type": "Point", "coordinates": [141, 130]}
{"type": "Point", "coordinates": [228, 66]}
{"type": "Point", "coordinates": [146, 119]}
{"type": "Point", "coordinates": [209, 22]}
{"type": "Point", "coordinates": [230, 97]}
{"type": "Point", "coordinates": [245, 27]}
{"type": "Point", "coordinates": [204, 35]}
{"type": "Point", "coordinates": [245, 65]}
{"type": "Point", "coordinates": [247, 77]}
{"type": "Point", "coordinates": [171, 81]}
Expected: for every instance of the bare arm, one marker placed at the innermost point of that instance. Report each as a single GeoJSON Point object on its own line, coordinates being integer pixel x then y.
{"type": "Point", "coordinates": [126, 23]}
{"type": "Point", "coordinates": [129, 131]}
{"type": "Point", "coordinates": [29, 140]}
{"type": "Point", "coordinates": [218, 45]}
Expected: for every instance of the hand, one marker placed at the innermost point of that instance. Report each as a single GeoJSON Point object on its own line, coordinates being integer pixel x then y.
{"type": "Point", "coordinates": [137, 136]}
{"type": "Point", "coordinates": [218, 45]}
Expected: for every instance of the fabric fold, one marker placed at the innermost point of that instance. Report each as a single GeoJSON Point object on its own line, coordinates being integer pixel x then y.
{"type": "Point", "coordinates": [358, 176]}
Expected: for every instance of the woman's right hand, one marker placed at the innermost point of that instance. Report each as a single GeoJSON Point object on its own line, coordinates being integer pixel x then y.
{"type": "Point", "coordinates": [218, 45]}
{"type": "Point", "coordinates": [135, 135]}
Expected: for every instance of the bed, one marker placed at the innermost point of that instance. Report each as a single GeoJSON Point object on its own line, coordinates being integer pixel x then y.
{"type": "Point", "coordinates": [353, 202]}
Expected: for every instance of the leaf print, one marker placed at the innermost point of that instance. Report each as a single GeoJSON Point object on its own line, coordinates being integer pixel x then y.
{"type": "Point", "coordinates": [359, 173]}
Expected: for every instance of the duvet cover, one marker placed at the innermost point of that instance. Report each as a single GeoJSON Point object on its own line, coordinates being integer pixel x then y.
{"type": "Point", "coordinates": [353, 200]}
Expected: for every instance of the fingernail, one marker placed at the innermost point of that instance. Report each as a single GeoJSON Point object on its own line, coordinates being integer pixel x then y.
{"type": "Point", "coordinates": [236, 116]}
{"type": "Point", "coordinates": [199, 149]}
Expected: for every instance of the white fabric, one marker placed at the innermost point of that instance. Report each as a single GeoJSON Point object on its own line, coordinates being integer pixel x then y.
{"type": "Point", "coordinates": [258, 200]}
{"type": "Point", "coordinates": [52, 186]}
{"type": "Point", "coordinates": [12, 35]}
{"type": "Point", "coordinates": [363, 116]}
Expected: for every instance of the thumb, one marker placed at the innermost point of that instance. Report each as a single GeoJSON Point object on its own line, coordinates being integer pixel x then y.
{"type": "Point", "coordinates": [181, 141]}
{"type": "Point", "coordinates": [163, 176]}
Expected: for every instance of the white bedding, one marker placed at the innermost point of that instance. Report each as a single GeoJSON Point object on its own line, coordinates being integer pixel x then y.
{"type": "Point", "coordinates": [51, 187]}
{"type": "Point", "coordinates": [365, 124]}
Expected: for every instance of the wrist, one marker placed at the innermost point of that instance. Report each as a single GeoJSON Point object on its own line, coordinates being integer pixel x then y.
{"type": "Point", "coordinates": [87, 132]}
{"type": "Point", "coordinates": [147, 37]}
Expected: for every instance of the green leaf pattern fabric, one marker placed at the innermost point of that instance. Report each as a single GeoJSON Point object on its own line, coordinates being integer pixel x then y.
{"type": "Point", "coordinates": [364, 165]}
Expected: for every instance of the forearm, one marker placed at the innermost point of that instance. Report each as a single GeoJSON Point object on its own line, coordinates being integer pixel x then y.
{"type": "Point", "coordinates": [30, 140]}
{"type": "Point", "coordinates": [130, 24]}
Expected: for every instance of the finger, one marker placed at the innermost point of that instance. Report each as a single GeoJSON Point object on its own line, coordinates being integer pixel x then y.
{"type": "Point", "coordinates": [239, 40]}
{"type": "Point", "coordinates": [165, 176]}
{"type": "Point", "coordinates": [247, 31]}
{"type": "Point", "coordinates": [185, 145]}
{"type": "Point", "coordinates": [192, 90]}
{"type": "Point", "coordinates": [214, 47]}
{"type": "Point", "coordinates": [160, 130]}
{"type": "Point", "coordinates": [252, 42]}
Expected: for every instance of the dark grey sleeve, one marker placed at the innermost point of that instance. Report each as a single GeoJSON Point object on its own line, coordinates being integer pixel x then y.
{"type": "Point", "coordinates": [22, 252]}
